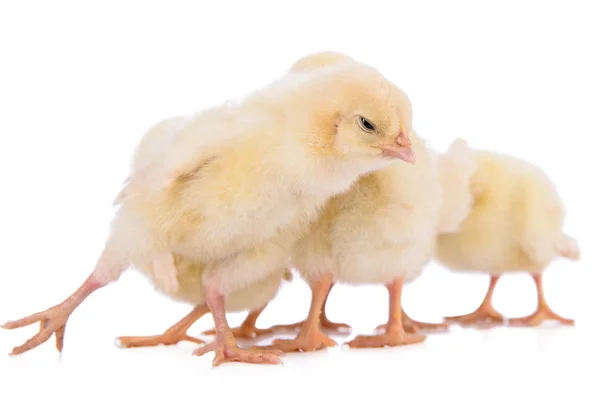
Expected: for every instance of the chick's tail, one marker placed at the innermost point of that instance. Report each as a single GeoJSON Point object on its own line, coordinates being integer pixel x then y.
{"type": "Point", "coordinates": [567, 247]}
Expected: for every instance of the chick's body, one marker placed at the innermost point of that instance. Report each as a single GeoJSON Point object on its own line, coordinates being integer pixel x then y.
{"type": "Point", "coordinates": [183, 280]}
{"type": "Point", "coordinates": [515, 225]}
{"type": "Point", "coordinates": [383, 227]}
{"type": "Point", "coordinates": [515, 222]}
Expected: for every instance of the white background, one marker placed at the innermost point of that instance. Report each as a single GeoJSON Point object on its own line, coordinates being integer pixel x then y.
{"type": "Point", "coordinates": [80, 83]}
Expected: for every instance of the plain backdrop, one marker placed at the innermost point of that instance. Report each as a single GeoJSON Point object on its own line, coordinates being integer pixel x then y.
{"type": "Point", "coordinates": [80, 83]}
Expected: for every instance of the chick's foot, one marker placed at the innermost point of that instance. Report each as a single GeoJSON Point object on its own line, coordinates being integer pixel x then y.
{"type": "Point", "coordinates": [390, 338]}
{"type": "Point", "coordinates": [543, 313]}
{"type": "Point", "coordinates": [224, 346]}
{"type": "Point", "coordinates": [53, 320]}
{"type": "Point", "coordinates": [310, 340]}
{"type": "Point", "coordinates": [484, 316]}
{"type": "Point", "coordinates": [175, 334]}
{"type": "Point", "coordinates": [228, 351]}
{"type": "Point", "coordinates": [412, 326]}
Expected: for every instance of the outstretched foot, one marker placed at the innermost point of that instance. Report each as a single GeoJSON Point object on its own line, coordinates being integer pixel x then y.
{"type": "Point", "coordinates": [484, 316]}
{"type": "Point", "coordinates": [388, 339]}
{"type": "Point", "coordinates": [52, 321]}
{"type": "Point", "coordinates": [230, 352]}
{"type": "Point", "coordinates": [541, 315]}
{"type": "Point", "coordinates": [313, 340]}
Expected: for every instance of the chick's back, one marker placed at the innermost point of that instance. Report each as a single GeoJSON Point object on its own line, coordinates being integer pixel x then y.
{"type": "Point", "coordinates": [515, 222]}
{"type": "Point", "coordinates": [384, 226]}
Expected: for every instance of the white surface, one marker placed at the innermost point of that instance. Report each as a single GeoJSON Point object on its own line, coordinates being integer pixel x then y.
{"type": "Point", "coordinates": [80, 84]}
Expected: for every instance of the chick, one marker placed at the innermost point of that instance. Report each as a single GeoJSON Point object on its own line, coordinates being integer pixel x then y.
{"type": "Point", "coordinates": [182, 281]}
{"type": "Point", "coordinates": [515, 225]}
{"type": "Point", "coordinates": [382, 231]}
{"type": "Point", "coordinates": [236, 185]}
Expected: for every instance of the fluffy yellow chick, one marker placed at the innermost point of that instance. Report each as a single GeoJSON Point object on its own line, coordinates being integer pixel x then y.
{"type": "Point", "coordinates": [515, 225]}
{"type": "Point", "coordinates": [382, 231]}
{"type": "Point", "coordinates": [183, 281]}
{"type": "Point", "coordinates": [236, 185]}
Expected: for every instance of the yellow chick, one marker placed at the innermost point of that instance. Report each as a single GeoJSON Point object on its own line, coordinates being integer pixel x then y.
{"type": "Point", "coordinates": [183, 282]}
{"type": "Point", "coordinates": [515, 225]}
{"type": "Point", "coordinates": [382, 231]}
{"type": "Point", "coordinates": [236, 185]}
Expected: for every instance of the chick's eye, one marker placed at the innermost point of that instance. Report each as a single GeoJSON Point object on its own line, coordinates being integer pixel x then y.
{"type": "Point", "coordinates": [366, 125]}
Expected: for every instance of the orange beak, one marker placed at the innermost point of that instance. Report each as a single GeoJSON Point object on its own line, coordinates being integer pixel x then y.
{"type": "Point", "coordinates": [402, 149]}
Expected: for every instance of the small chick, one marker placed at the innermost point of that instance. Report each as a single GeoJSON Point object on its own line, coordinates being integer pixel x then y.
{"type": "Point", "coordinates": [182, 281]}
{"type": "Point", "coordinates": [382, 231]}
{"type": "Point", "coordinates": [515, 225]}
{"type": "Point", "coordinates": [236, 185]}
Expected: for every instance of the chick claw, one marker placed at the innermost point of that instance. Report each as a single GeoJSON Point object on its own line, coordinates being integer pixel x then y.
{"type": "Point", "coordinates": [388, 339]}
{"type": "Point", "coordinates": [226, 352]}
{"type": "Point", "coordinates": [541, 315]}
{"type": "Point", "coordinates": [304, 342]}
{"type": "Point", "coordinates": [52, 321]}
{"type": "Point", "coordinates": [484, 317]}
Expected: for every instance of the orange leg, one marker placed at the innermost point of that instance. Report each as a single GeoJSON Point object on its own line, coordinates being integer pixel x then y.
{"type": "Point", "coordinates": [54, 320]}
{"type": "Point", "coordinates": [485, 315]}
{"type": "Point", "coordinates": [175, 334]}
{"type": "Point", "coordinates": [325, 323]}
{"type": "Point", "coordinates": [225, 346]}
{"type": "Point", "coordinates": [394, 335]}
{"type": "Point", "coordinates": [543, 312]}
{"type": "Point", "coordinates": [310, 337]}
{"type": "Point", "coordinates": [248, 329]}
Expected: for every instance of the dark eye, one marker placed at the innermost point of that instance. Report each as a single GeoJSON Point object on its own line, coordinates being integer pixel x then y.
{"type": "Point", "coordinates": [366, 125]}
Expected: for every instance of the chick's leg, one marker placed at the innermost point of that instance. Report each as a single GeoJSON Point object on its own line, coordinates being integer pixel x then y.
{"type": "Point", "coordinates": [248, 328]}
{"type": "Point", "coordinates": [543, 312]}
{"type": "Point", "coordinates": [394, 335]}
{"type": "Point", "coordinates": [54, 319]}
{"type": "Point", "coordinates": [175, 334]}
{"type": "Point", "coordinates": [310, 337]}
{"type": "Point", "coordinates": [325, 323]}
{"type": "Point", "coordinates": [225, 346]}
{"type": "Point", "coordinates": [485, 315]}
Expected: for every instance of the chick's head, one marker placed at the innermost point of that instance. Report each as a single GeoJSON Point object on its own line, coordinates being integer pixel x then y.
{"type": "Point", "coordinates": [363, 116]}
{"type": "Point", "coordinates": [319, 60]}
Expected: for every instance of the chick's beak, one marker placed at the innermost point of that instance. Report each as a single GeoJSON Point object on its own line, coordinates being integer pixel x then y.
{"type": "Point", "coordinates": [401, 149]}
